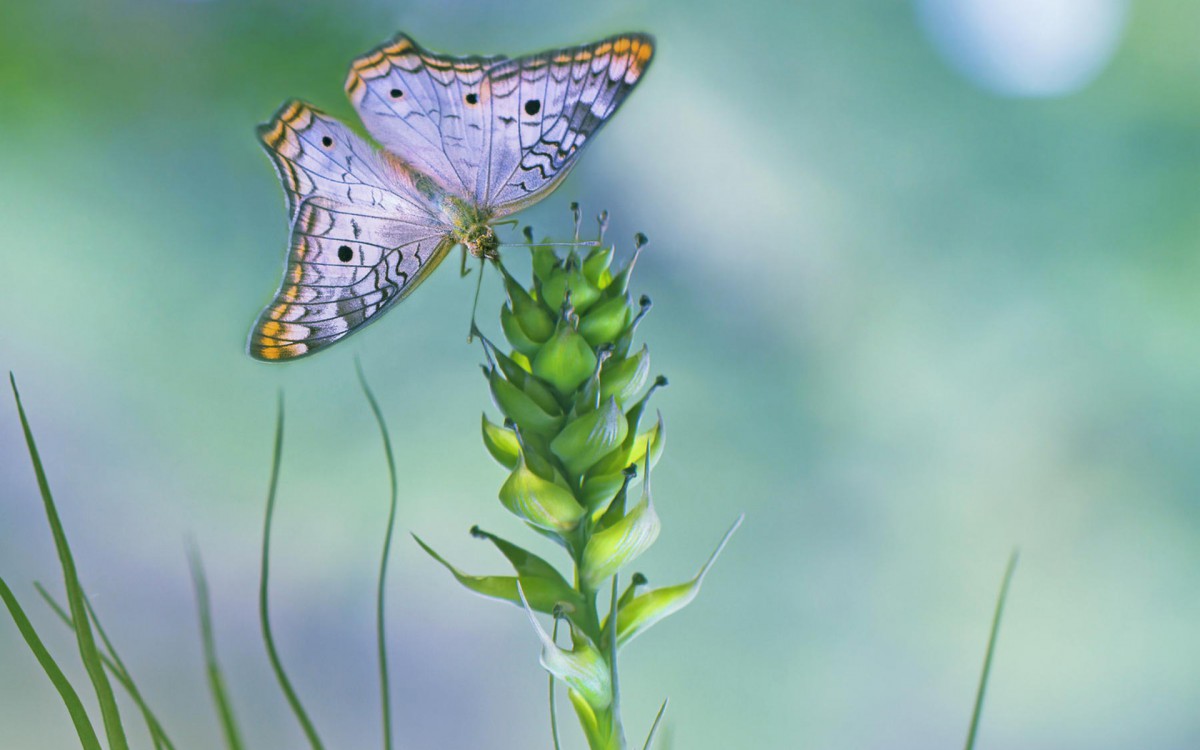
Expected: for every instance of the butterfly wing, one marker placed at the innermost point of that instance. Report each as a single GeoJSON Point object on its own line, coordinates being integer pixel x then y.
{"type": "Point", "coordinates": [544, 108]}
{"type": "Point", "coordinates": [361, 237]}
{"type": "Point", "coordinates": [425, 108]}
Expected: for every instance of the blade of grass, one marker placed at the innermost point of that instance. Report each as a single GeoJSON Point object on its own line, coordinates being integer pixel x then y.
{"type": "Point", "coordinates": [216, 681]}
{"type": "Point", "coordinates": [380, 629]}
{"type": "Point", "coordinates": [991, 649]}
{"type": "Point", "coordinates": [83, 725]}
{"type": "Point", "coordinates": [119, 671]}
{"type": "Point", "coordinates": [263, 609]}
{"type": "Point", "coordinates": [654, 727]}
{"type": "Point", "coordinates": [88, 651]}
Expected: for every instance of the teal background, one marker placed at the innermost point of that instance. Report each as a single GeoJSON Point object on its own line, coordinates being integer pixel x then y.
{"type": "Point", "coordinates": [909, 325]}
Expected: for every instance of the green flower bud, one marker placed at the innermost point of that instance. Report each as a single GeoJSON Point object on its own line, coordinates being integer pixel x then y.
{"type": "Point", "coordinates": [540, 502]}
{"type": "Point", "coordinates": [620, 281]}
{"type": "Point", "coordinates": [566, 360]}
{"type": "Point", "coordinates": [598, 492]}
{"type": "Point", "coordinates": [535, 321]}
{"type": "Point", "coordinates": [586, 439]}
{"type": "Point", "coordinates": [605, 321]}
{"type": "Point", "coordinates": [502, 443]}
{"type": "Point", "coordinates": [516, 334]}
{"type": "Point", "coordinates": [623, 378]}
{"type": "Point", "coordinates": [516, 374]}
{"type": "Point", "coordinates": [520, 408]}
{"type": "Point", "coordinates": [571, 282]}
{"type": "Point", "coordinates": [622, 344]}
{"type": "Point", "coordinates": [545, 260]}
{"type": "Point", "coordinates": [610, 549]}
{"type": "Point", "coordinates": [633, 450]}
{"type": "Point", "coordinates": [595, 265]}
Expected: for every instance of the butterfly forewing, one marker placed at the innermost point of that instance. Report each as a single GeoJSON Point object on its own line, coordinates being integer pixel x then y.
{"type": "Point", "coordinates": [361, 237]}
{"type": "Point", "coordinates": [425, 108]}
{"type": "Point", "coordinates": [545, 108]}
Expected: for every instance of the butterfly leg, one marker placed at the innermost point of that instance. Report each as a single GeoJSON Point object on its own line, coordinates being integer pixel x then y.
{"type": "Point", "coordinates": [474, 305]}
{"type": "Point", "coordinates": [463, 271]}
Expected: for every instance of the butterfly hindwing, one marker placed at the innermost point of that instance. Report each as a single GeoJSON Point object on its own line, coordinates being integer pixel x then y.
{"type": "Point", "coordinates": [361, 239]}
{"type": "Point", "coordinates": [544, 108]}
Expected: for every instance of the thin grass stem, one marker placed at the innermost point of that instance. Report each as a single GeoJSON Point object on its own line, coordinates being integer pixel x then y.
{"type": "Point", "coordinates": [380, 624]}
{"type": "Point", "coordinates": [119, 671]}
{"type": "Point", "coordinates": [553, 706]}
{"type": "Point", "coordinates": [991, 649]}
{"type": "Point", "coordinates": [216, 681]}
{"type": "Point", "coordinates": [263, 608]}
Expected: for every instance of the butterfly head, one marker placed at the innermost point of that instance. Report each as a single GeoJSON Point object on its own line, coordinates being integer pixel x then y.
{"type": "Point", "coordinates": [481, 241]}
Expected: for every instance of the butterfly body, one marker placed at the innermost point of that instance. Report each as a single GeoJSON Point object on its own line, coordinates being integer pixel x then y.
{"type": "Point", "coordinates": [466, 141]}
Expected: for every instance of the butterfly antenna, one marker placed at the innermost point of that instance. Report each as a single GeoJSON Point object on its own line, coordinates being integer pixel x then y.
{"type": "Point", "coordinates": [602, 220]}
{"type": "Point", "coordinates": [578, 215]}
{"type": "Point", "coordinates": [475, 305]}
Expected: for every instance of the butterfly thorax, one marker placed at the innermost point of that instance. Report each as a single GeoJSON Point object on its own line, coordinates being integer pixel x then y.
{"type": "Point", "coordinates": [471, 228]}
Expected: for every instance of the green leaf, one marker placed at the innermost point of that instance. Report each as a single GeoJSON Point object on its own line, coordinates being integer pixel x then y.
{"type": "Point", "coordinates": [654, 727]}
{"type": "Point", "coordinates": [651, 606]}
{"type": "Point", "coordinates": [586, 439]}
{"type": "Point", "coordinates": [79, 717]}
{"type": "Point", "coordinates": [583, 668]}
{"type": "Point", "coordinates": [88, 652]}
{"type": "Point", "coordinates": [523, 561]}
{"type": "Point", "coordinates": [544, 593]}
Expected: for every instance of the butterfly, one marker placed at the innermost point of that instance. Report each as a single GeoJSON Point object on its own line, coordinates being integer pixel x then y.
{"type": "Point", "coordinates": [465, 141]}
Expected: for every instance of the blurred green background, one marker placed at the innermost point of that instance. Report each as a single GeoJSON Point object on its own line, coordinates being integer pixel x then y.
{"type": "Point", "coordinates": [926, 281]}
